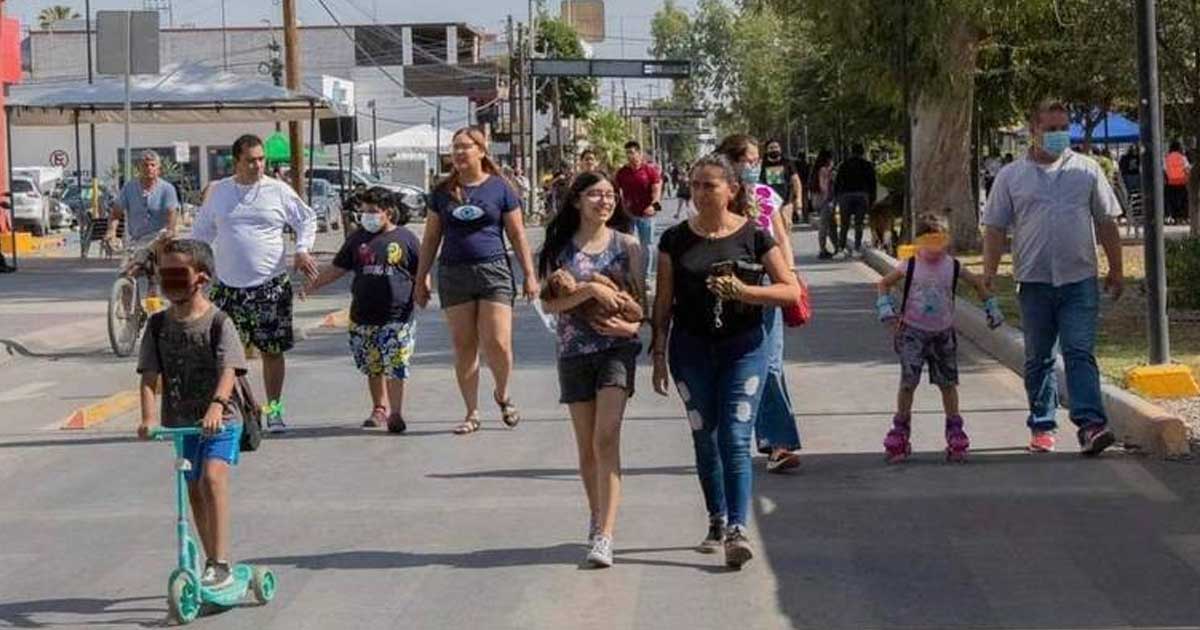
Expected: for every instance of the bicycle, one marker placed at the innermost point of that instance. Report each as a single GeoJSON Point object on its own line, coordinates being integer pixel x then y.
{"type": "Point", "coordinates": [127, 314]}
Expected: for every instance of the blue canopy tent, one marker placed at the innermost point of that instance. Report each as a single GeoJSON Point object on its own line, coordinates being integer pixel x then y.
{"type": "Point", "coordinates": [1112, 129]}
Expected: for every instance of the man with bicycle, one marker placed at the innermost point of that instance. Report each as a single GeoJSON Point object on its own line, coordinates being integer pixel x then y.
{"type": "Point", "coordinates": [149, 206]}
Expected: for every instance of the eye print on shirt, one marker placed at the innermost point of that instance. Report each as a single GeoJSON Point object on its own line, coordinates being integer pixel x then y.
{"type": "Point", "coordinates": [467, 212]}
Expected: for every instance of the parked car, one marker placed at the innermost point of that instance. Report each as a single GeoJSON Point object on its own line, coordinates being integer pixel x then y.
{"type": "Point", "coordinates": [61, 214]}
{"type": "Point", "coordinates": [30, 210]}
{"type": "Point", "coordinates": [79, 204]}
{"type": "Point", "coordinates": [326, 204]}
{"type": "Point", "coordinates": [414, 197]}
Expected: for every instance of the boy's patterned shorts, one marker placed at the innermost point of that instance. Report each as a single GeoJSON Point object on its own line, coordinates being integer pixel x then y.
{"type": "Point", "coordinates": [383, 350]}
{"type": "Point", "coordinates": [917, 347]}
{"type": "Point", "coordinates": [262, 314]}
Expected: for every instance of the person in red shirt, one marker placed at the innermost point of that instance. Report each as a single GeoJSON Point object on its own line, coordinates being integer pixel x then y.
{"type": "Point", "coordinates": [640, 185]}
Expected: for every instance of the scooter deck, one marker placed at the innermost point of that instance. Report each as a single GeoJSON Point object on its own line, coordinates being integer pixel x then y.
{"type": "Point", "coordinates": [233, 594]}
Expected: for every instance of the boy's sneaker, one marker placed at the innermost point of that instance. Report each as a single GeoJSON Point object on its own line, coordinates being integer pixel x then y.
{"type": "Point", "coordinates": [217, 575]}
{"type": "Point", "coordinates": [896, 444]}
{"type": "Point", "coordinates": [824, 255]}
{"type": "Point", "coordinates": [396, 424]}
{"type": "Point", "coordinates": [957, 442]}
{"type": "Point", "coordinates": [716, 535]}
{"type": "Point", "coordinates": [377, 418]}
{"type": "Point", "coordinates": [1094, 438]}
{"type": "Point", "coordinates": [782, 460]}
{"type": "Point", "coordinates": [737, 548]}
{"type": "Point", "coordinates": [273, 414]}
{"type": "Point", "coordinates": [601, 555]}
{"type": "Point", "coordinates": [1041, 442]}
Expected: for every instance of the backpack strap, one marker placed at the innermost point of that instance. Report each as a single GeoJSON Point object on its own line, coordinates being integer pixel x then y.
{"type": "Point", "coordinates": [912, 266]}
{"type": "Point", "coordinates": [215, 330]}
{"type": "Point", "coordinates": [154, 329]}
{"type": "Point", "coordinates": [954, 285]}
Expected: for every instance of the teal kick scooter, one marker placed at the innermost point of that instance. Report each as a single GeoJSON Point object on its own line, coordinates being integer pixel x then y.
{"type": "Point", "coordinates": [185, 595]}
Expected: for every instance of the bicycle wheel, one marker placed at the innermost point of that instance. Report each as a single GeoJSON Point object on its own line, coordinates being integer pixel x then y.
{"type": "Point", "coordinates": [124, 316]}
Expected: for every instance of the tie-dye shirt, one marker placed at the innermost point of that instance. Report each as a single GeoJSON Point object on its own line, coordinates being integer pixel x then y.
{"type": "Point", "coordinates": [575, 335]}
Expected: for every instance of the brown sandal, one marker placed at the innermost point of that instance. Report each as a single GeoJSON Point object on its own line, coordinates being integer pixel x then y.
{"type": "Point", "coordinates": [509, 413]}
{"type": "Point", "coordinates": [469, 425]}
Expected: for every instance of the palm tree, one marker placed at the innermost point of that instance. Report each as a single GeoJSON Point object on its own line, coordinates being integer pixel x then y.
{"type": "Point", "coordinates": [50, 15]}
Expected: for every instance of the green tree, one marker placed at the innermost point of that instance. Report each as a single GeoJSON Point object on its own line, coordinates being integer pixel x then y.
{"type": "Point", "coordinates": [608, 132]}
{"type": "Point", "coordinates": [558, 40]}
{"type": "Point", "coordinates": [57, 13]}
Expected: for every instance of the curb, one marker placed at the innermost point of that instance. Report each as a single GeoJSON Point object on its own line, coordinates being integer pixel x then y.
{"type": "Point", "coordinates": [1136, 421]}
{"type": "Point", "coordinates": [102, 411]}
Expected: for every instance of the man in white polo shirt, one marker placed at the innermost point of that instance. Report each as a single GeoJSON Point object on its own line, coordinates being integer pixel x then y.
{"type": "Point", "coordinates": [244, 218]}
{"type": "Point", "coordinates": [1057, 203]}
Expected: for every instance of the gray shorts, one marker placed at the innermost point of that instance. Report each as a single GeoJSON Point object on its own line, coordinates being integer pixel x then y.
{"type": "Point", "coordinates": [491, 281]}
{"type": "Point", "coordinates": [581, 376]}
{"type": "Point", "coordinates": [917, 347]}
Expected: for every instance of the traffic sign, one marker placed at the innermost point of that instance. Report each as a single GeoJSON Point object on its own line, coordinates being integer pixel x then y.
{"type": "Point", "coordinates": [59, 158]}
{"type": "Point", "coordinates": [651, 112]}
{"type": "Point", "coordinates": [629, 68]}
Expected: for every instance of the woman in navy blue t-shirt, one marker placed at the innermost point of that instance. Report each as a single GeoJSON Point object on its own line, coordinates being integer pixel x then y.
{"type": "Point", "coordinates": [473, 209]}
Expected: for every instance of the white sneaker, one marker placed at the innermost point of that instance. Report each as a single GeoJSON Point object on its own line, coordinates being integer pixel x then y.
{"type": "Point", "coordinates": [601, 555]}
{"type": "Point", "coordinates": [275, 424]}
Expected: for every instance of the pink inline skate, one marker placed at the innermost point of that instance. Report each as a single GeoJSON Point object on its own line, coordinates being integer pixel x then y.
{"type": "Point", "coordinates": [957, 442]}
{"type": "Point", "coordinates": [896, 443]}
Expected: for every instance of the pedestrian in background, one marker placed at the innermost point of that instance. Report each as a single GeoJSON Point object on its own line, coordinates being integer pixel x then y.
{"type": "Point", "coordinates": [823, 202]}
{"type": "Point", "coordinates": [383, 257]}
{"type": "Point", "coordinates": [779, 173]}
{"type": "Point", "coordinates": [473, 209]}
{"type": "Point", "coordinates": [1057, 203]}
{"type": "Point", "coordinates": [1178, 169]}
{"type": "Point", "coordinates": [640, 185]}
{"type": "Point", "coordinates": [597, 360]}
{"type": "Point", "coordinates": [708, 315]}
{"type": "Point", "coordinates": [244, 220]}
{"type": "Point", "coordinates": [855, 190]}
{"type": "Point", "coordinates": [775, 423]}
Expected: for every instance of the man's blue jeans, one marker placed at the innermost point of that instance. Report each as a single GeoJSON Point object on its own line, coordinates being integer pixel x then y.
{"type": "Point", "coordinates": [1065, 316]}
{"type": "Point", "coordinates": [775, 426]}
{"type": "Point", "coordinates": [721, 384]}
{"type": "Point", "coordinates": [644, 226]}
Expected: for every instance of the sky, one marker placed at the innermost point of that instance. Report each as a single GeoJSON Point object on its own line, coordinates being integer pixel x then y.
{"type": "Point", "coordinates": [632, 17]}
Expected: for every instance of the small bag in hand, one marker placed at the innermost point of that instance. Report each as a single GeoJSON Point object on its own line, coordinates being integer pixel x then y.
{"type": "Point", "coordinates": [800, 313]}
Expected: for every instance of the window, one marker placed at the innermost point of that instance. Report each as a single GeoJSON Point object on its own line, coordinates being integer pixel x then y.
{"type": "Point", "coordinates": [23, 186]}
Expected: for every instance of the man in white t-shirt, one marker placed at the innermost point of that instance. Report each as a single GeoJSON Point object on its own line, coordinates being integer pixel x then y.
{"type": "Point", "coordinates": [244, 218]}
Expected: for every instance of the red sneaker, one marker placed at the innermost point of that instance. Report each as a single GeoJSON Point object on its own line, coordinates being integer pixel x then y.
{"type": "Point", "coordinates": [1042, 442]}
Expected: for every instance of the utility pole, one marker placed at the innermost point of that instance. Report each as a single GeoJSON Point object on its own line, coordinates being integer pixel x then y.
{"type": "Point", "coordinates": [87, 8]}
{"type": "Point", "coordinates": [273, 66]}
{"type": "Point", "coordinates": [1152, 182]}
{"type": "Point", "coordinates": [531, 202]}
{"type": "Point", "coordinates": [374, 139]}
{"type": "Point", "coordinates": [225, 36]}
{"type": "Point", "coordinates": [512, 89]}
{"type": "Point", "coordinates": [291, 53]}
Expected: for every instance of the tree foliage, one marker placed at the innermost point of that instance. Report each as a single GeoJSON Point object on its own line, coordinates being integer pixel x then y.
{"type": "Point", "coordinates": [49, 16]}
{"type": "Point", "coordinates": [608, 132]}
{"type": "Point", "coordinates": [557, 39]}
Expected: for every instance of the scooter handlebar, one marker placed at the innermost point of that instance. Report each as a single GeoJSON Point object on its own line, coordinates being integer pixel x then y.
{"type": "Point", "coordinates": [162, 433]}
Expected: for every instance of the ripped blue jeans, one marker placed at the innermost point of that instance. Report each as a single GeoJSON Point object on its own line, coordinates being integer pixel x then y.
{"type": "Point", "coordinates": [721, 384]}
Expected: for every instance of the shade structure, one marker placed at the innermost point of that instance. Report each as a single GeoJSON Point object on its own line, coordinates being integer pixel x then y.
{"type": "Point", "coordinates": [183, 93]}
{"type": "Point", "coordinates": [416, 138]}
{"type": "Point", "coordinates": [277, 148]}
{"type": "Point", "coordinates": [1113, 129]}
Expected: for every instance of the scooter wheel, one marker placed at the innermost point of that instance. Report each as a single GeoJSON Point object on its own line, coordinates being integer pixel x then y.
{"type": "Point", "coordinates": [263, 583]}
{"type": "Point", "coordinates": [183, 597]}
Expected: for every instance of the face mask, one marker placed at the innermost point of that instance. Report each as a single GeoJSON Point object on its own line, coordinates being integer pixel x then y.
{"type": "Point", "coordinates": [1055, 142]}
{"type": "Point", "coordinates": [371, 221]}
{"type": "Point", "coordinates": [177, 284]}
{"type": "Point", "coordinates": [933, 245]}
{"type": "Point", "coordinates": [750, 174]}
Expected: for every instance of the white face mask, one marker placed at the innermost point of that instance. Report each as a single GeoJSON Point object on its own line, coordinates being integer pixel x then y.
{"type": "Point", "coordinates": [371, 221]}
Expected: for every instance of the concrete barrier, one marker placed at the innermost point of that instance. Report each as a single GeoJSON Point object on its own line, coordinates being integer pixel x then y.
{"type": "Point", "coordinates": [1136, 421]}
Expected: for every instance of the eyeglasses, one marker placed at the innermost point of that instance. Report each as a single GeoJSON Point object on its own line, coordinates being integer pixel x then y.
{"type": "Point", "coordinates": [598, 195]}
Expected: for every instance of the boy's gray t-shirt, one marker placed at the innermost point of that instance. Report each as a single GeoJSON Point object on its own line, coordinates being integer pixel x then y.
{"type": "Point", "coordinates": [183, 355]}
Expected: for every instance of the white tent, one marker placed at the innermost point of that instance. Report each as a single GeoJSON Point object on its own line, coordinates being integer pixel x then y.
{"type": "Point", "coordinates": [413, 139]}
{"type": "Point", "coordinates": [183, 93]}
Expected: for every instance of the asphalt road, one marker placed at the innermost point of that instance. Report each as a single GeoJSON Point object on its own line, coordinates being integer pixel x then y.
{"type": "Point", "coordinates": [429, 530]}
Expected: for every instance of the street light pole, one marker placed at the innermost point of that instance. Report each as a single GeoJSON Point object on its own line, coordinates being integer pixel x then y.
{"type": "Point", "coordinates": [87, 8]}
{"type": "Point", "coordinates": [1152, 182]}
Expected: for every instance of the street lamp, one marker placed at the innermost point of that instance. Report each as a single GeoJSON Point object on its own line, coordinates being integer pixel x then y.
{"type": "Point", "coordinates": [1152, 182]}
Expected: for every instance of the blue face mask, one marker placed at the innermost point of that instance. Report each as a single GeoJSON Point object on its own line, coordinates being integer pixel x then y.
{"type": "Point", "coordinates": [1055, 142]}
{"type": "Point", "coordinates": [750, 174]}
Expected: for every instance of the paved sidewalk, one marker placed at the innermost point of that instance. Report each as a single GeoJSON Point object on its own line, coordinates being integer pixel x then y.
{"type": "Point", "coordinates": [429, 530]}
